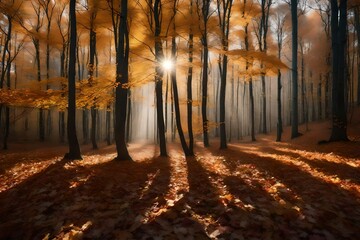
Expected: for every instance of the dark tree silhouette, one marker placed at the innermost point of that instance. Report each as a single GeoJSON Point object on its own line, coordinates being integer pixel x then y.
{"type": "Point", "coordinates": [189, 88]}
{"type": "Point", "coordinates": [224, 11]}
{"type": "Point", "coordinates": [294, 70]}
{"type": "Point", "coordinates": [74, 148]}
{"type": "Point", "coordinates": [91, 69]}
{"type": "Point", "coordinates": [175, 88]}
{"type": "Point", "coordinates": [357, 26]}
{"type": "Point", "coordinates": [251, 90]}
{"type": "Point", "coordinates": [122, 78]}
{"type": "Point", "coordinates": [280, 22]}
{"type": "Point", "coordinates": [159, 55]}
{"type": "Point", "coordinates": [203, 8]}
{"type": "Point", "coordinates": [339, 41]}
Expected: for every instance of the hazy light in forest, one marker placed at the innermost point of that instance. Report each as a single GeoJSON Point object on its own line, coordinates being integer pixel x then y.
{"type": "Point", "coordinates": [167, 64]}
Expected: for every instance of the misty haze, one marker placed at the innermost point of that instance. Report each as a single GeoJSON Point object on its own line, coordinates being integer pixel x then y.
{"type": "Point", "coordinates": [180, 119]}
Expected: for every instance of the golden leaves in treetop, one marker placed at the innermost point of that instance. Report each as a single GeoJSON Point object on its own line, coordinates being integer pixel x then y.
{"type": "Point", "coordinates": [31, 98]}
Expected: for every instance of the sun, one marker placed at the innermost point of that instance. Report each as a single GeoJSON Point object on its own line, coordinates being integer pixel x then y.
{"type": "Point", "coordinates": [167, 64]}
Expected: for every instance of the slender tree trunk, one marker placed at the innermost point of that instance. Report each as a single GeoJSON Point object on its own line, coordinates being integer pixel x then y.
{"type": "Point", "coordinates": [7, 128]}
{"type": "Point", "coordinates": [176, 99]}
{"type": "Point", "coordinates": [252, 110]}
{"type": "Point", "coordinates": [232, 103]}
{"type": "Point", "coordinates": [223, 143]}
{"type": "Point", "coordinates": [129, 118]}
{"type": "Point", "coordinates": [48, 118]}
{"type": "Point", "coordinates": [7, 109]}
{"type": "Point", "coordinates": [94, 113]}
{"type": "Point", "coordinates": [237, 109]}
{"type": "Point", "coordinates": [122, 77]}
{"type": "Point", "coordinates": [205, 11]}
{"type": "Point", "coordinates": [319, 97]}
{"type": "Point", "coordinates": [62, 126]}
{"type": "Point", "coordinates": [302, 84]}
{"type": "Point", "coordinates": [74, 148]}
{"type": "Point", "coordinates": [279, 122]}
{"type": "Point", "coordinates": [5, 72]}
{"type": "Point", "coordinates": [338, 33]}
{"type": "Point", "coordinates": [205, 93]}
{"type": "Point", "coordinates": [159, 55]}
{"type": "Point", "coordinates": [357, 26]}
{"type": "Point", "coordinates": [263, 97]}
{"type": "Point", "coordinates": [294, 101]}
{"type": "Point", "coordinates": [216, 84]}
{"type": "Point", "coordinates": [85, 125]}
{"type": "Point", "coordinates": [41, 111]}
{"type": "Point", "coordinates": [91, 70]}
{"type": "Point", "coordinates": [108, 125]}
{"type": "Point", "coordinates": [166, 105]}
{"type": "Point", "coordinates": [224, 9]}
{"type": "Point", "coordinates": [251, 91]}
{"type": "Point", "coordinates": [62, 113]}
{"type": "Point", "coordinates": [189, 95]}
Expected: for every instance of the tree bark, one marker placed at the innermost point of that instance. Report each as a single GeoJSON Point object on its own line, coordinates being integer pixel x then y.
{"type": "Point", "coordinates": [251, 91]}
{"type": "Point", "coordinates": [338, 39]}
{"type": "Point", "coordinates": [357, 26]}
{"type": "Point", "coordinates": [122, 78]}
{"type": "Point", "coordinates": [205, 14]}
{"type": "Point", "coordinates": [74, 148]}
{"type": "Point", "coordinates": [279, 117]}
{"type": "Point", "coordinates": [159, 55]}
{"type": "Point", "coordinates": [189, 96]}
{"type": "Point", "coordinates": [294, 83]}
{"type": "Point", "coordinates": [224, 9]}
{"type": "Point", "coordinates": [91, 70]}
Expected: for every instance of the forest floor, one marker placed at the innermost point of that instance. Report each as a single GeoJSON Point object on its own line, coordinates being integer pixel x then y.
{"type": "Point", "coordinates": [294, 189]}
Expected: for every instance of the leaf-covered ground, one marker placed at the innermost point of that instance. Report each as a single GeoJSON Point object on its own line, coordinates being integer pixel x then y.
{"type": "Point", "coordinates": [263, 190]}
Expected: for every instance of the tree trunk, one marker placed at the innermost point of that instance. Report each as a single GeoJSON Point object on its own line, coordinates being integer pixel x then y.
{"type": "Point", "coordinates": [176, 100]}
{"type": "Point", "coordinates": [223, 144]}
{"type": "Point", "coordinates": [357, 26]}
{"type": "Point", "coordinates": [279, 118]}
{"type": "Point", "coordinates": [108, 125]}
{"type": "Point", "coordinates": [62, 113]}
{"type": "Point", "coordinates": [85, 125]}
{"type": "Point", "coordinates": [204, 96]}
{"type": "Point", "coordinates": [159, 55]}
{"type": "Point", "coordinates": [252, 110]}
{"type": "Point", "coordinates": [263, 97]}
{"type": "Point", "coordinates": [94, 113]}
{"type": "Point", "coordinates": [5, 71]}
{"type": "Point", "coordinates": [7, 109]}
{"type": "Point", "coordinates": [294, 48]}
{"type": "Point", "coordinates": [62, 126]}
{"type": "Point", "coordinates": [319, 97]}
{"type": "Point", "coordinates": [237, 109]}
{"type": "Point", "coordinates": [189, 95]}
{"type": "Point", "coordinates": [41, 111]}
{"type": "Point", "coordinates": [224, 10]}
{"type": "Point", "coordinates": [205, 11]}
{"type": "Point", "coordinates": [338, 33]}
{"type": "Point", "coordinates": [48, 117]}
{"type": "Point", "coordinates": [122, 78]}
{"type": "Point", "coordinates": [232, 105]}
{"type": "Point", "coordinates": [129, 119]}
{"type": "Point", "coordinates": [251, 91]}
{"type": "Point", "coordinates": [91, 70]}
{"type": "Point", "coordinates": [74, 148]}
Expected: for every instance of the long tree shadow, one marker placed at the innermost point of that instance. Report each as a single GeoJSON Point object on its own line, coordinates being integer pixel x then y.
{"type": "Point", "coordinates": [9, 159]}
{"type": "Point", "coordinates": [341, 170]}
{"type": "Point", "coordinates": [195, 214]}
{"type": "Point", "coordinates": [97, 201]}
{"type": "Point", "coordinates": [320, 204]}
